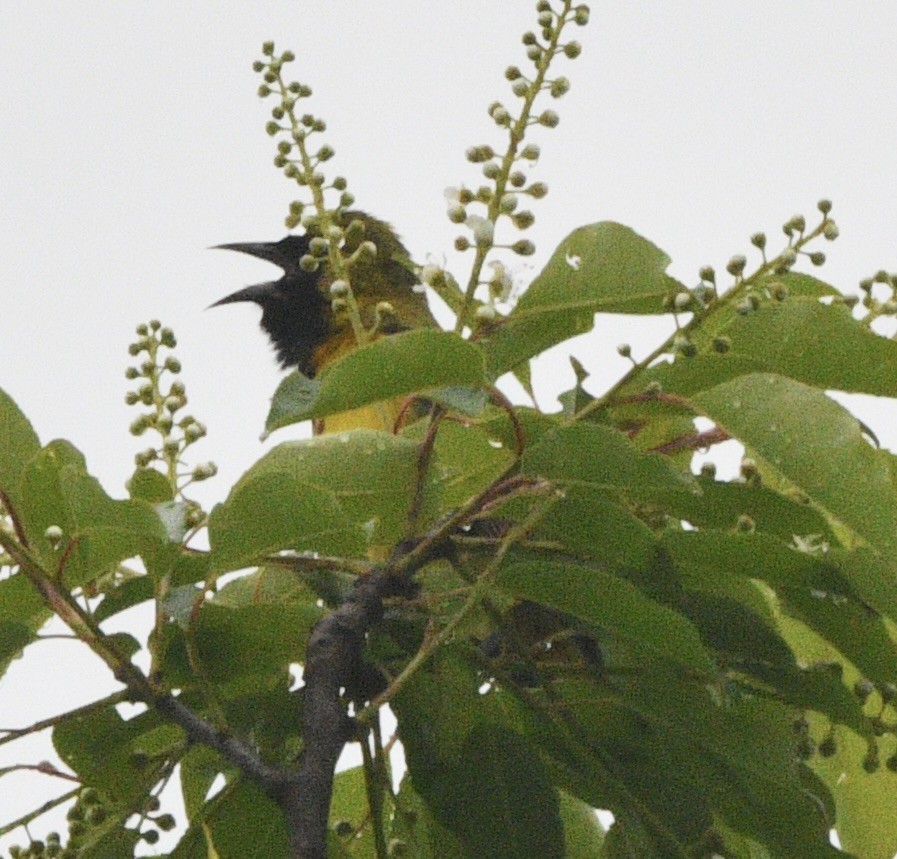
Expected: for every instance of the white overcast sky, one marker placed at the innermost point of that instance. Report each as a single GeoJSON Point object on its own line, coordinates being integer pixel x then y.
{"type": "Point", "coordinates": [131, 139]}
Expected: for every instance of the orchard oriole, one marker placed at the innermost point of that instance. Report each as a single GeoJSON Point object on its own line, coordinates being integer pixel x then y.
{"type": "Point", "coordinates": [298, 313]}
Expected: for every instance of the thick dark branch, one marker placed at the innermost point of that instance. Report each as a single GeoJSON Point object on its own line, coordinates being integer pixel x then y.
{"type": "Point", "coordinates": [334, 663]}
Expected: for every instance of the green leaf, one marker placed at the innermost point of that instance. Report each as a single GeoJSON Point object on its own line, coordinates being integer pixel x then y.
{"type": "Point", "coordinates": [798, 283]}
{"type": "Point", "coordinates": [605, 458]}
{"type": "Point", "coordinates": [200, 766]}
{"type": "Point", "coordinates": [754, 784]}
{"type": "Point", "coordinates": [703, 558]}
{"type": "Point", "coordinates": [243, 647]}
{"type": "Point", "coordinates": [816, 445]}
{"type": "Point", "coordinates": [604, 267]}
{"type": "Point", "coordinates": [408, 363]}
{"type": "Point", "coordinates": [113, 841]}
{"type": "Point", "coordinates": [18, 444]}
{"type": "Point", "coordinates": [510, 808]}
{"type": "Point", "coordinates": [592, 528]}
{"type": "Point", "coordinates": [149, 485]}
{"type": "Point", "coordinates": [583, 833]}
{"type": "Point", "coordinates": [116, 766]}
{"type": "Point", "coordinates": [333, 494]}
{"type": "Point", "coordinates": [719, 504]}
{"type": "Point", "coordinates": [481, 780]}
{"type": "Point", "coordinates": [349, 805]}
{"type": "Point", "coordinates": [21, 610]}
{"type": "Point", "coordinates": [609, 602]}
{"type": "Point", "coordinates": [860, 798]}
{"type": "Point", "coordinates": [468, 459]}
{"type": "Point", "coordinates": [850, 628]}
{"type": "Point", "coordinates": [14, 637]}
{"type": "Point", "coordinates": [795, 338]}
{"type": "Point", "coordinates": [792, 338]}
{"type": "Point", "coordinates": [124, 596]}
{"type": "Point", "coordinates": [98, 531]}
{"type": "Point", "coordinates": [239, 822]}
{"type": "Point", "coordinates": [417, 828]}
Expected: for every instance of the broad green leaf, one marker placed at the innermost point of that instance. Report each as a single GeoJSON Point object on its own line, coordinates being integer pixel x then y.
{"type": "Point", "coordinates": [793, 338]}
{"type": "Point", "coordinates": [864, 826]}
{"type": "Point", "coordinates": [124, 596]}
{"type": "Point", "coordinates": [113, 840]}
{"type": "Point", "coordinates": [349, 805]}
{"type": "Point", "coordinates": [703, 558]}
{"type": "Point", "coordinates": [510, 808]}
{"type": "Point", "coordinates": [850, 628]}
{"type": "Point", "coordinates": [798, 283]}
{"type": "Point", "coordinates": [332, 494]}
{"type": "Point", "coordinates": [480, 779]}
{"type": "Point", "coordinates": [149, 485]}
{"type": "Point", "coordinates": [586, 524]}
{"type": "Point", "coordinates": [239, 822]}
{"type": "Point", "coordinates": [242, 647]}
{"type": "Point", "coordinates": [402, 364]}
{"type": "Point", "coordinates": [18, 444]}
{"type": "Point", "coordinates": [822, 345]}
{"type": "Point", "coordinates": [719, 505]}
{"type": "Point", "coordinates": [98, 531]}
{"type": "Point", "coordinates": [468, 460]}
{"type": "Point", "coordinates": [789, 338]}
{"type": "Point", "coordinates": [609, 602]}
{"type": "Point", "coordinates": [859, 795]}
{"type": "Point", "coordinates": [756, 786]}
{"type": "Point", "coordinates": [416, 828]}
{"type": "Point", "coordinates": [21, 610]}
{"type": "Point", "coordinates": [605, 458]}
{"type": "Point", "coordinates": [604, 267]}
{"type": "Point", "coordinates": [583, 832]}
{"type": "Point", "coordinates": [116, 766]}
{"type": "Point", "coordinates": [816, 445]}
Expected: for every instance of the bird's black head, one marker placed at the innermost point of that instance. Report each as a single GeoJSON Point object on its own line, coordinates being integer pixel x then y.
{"type": "Point", "coordinates": [295, 314]}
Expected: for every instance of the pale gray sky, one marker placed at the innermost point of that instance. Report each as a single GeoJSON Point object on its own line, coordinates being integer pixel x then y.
{"type": "Point", "coordinates": [131, 139]}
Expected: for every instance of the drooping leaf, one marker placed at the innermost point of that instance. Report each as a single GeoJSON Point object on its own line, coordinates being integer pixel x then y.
{"type": "Point", "coordinates": [816, 445]}
{"type": "Point", "coordinates": [610, 602]}
{"type": "Point", "coordinates": [416, 828]}
{"type": "Point", "coordinates": [479, 778]}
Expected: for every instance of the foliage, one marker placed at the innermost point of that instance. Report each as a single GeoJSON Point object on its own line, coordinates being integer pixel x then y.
{"type": "Point", "coordinates": [595, 622]}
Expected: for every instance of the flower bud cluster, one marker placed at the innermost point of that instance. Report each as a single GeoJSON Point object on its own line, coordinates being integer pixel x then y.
{"type": "Point", "coordinates": [508, 187]}
{"type": "Point", "coordinates": [164, 400]}
{"type": "Point", "coordinates": [879, 296]}
{"type": "Point", "coordinates": [296, 156]}
{"type": "Point", "coordinates": [748, 290]}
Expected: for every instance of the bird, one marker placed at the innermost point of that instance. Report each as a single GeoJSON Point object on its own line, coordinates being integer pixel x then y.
{"type": "Point", "coordinates": [298, 314]}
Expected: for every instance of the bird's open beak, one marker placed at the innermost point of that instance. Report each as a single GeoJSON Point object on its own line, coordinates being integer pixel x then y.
{"type": "Point", "coordinates": [263, 250]}
{"type": "Point", "coordinates": [257, 293]}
